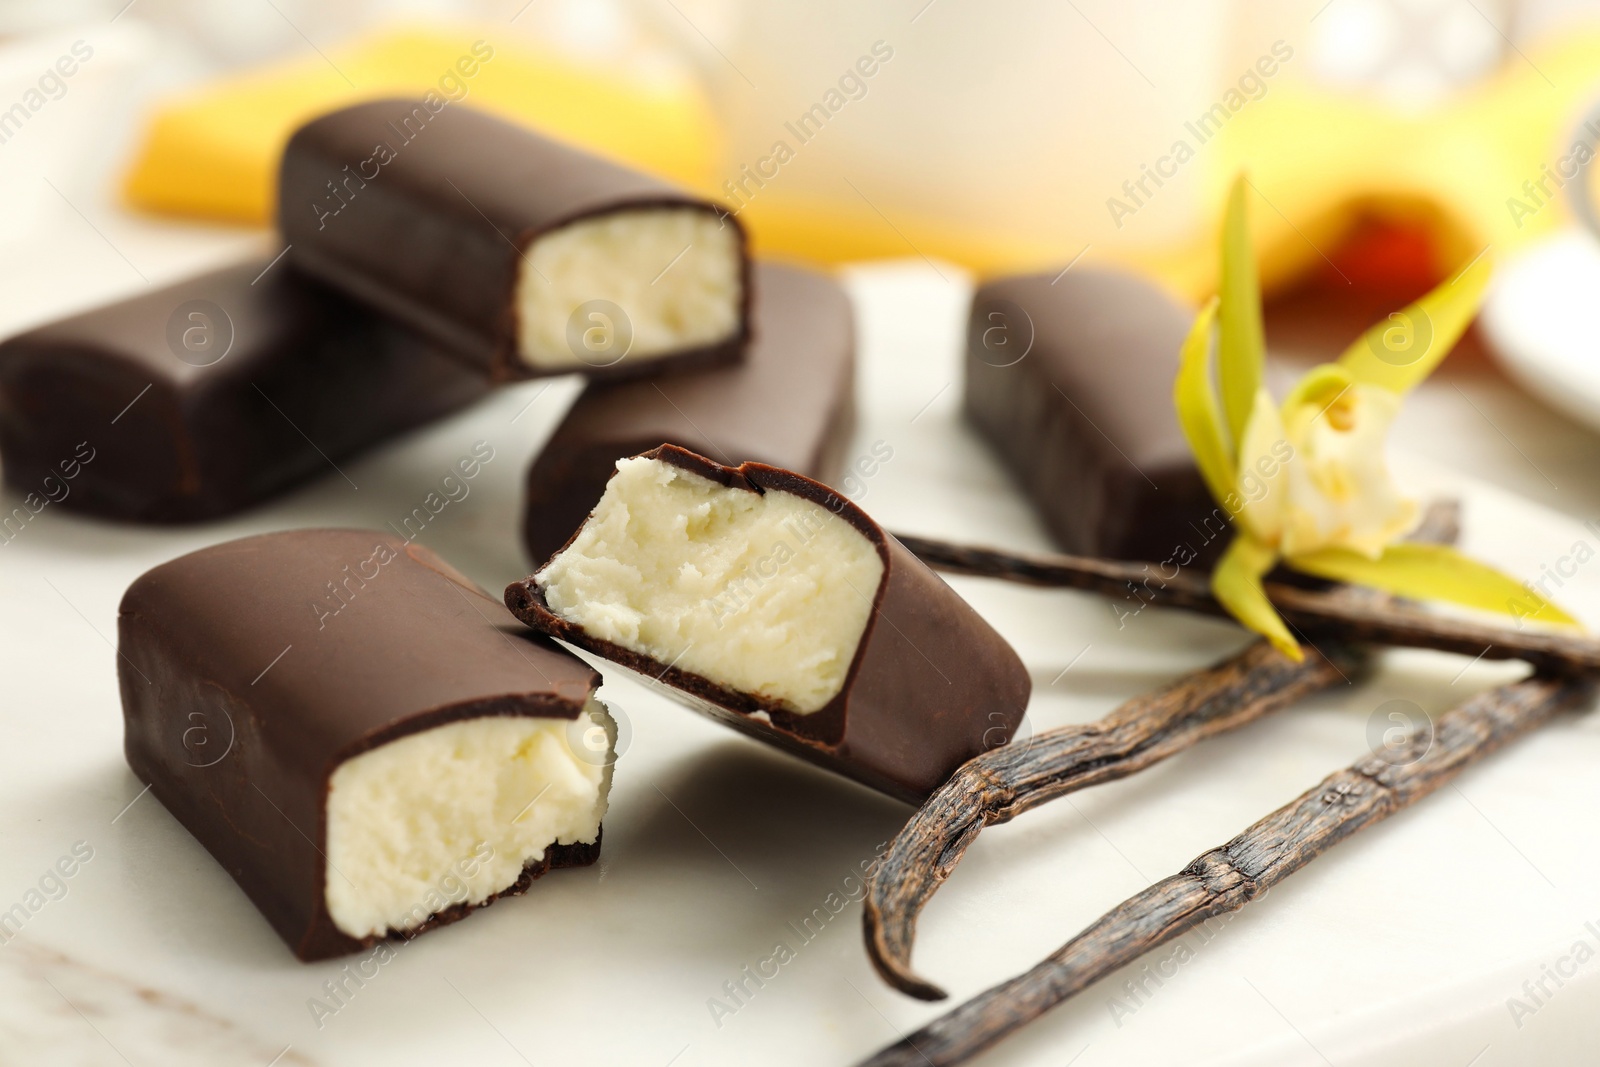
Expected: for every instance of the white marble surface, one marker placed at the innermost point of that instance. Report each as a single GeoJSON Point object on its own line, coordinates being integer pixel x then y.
{"type": "Point", "coordinates": [1400, 947]}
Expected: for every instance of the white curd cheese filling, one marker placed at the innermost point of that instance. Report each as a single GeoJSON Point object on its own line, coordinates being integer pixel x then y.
{"type": "Point", "coordinates": [636, 284]}
{"type": "Point", "coordinates": [453, 813]}
{"type": "Point", "coordinates": [766, 594]}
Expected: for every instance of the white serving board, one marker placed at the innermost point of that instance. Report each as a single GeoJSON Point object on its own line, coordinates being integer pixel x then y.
{"type": "Point", "coordinates": [1400, 947]}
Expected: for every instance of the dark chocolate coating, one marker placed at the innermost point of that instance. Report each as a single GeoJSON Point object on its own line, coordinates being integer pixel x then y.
{"type": "Point", "coordinates": [240, 697]}
{"type": "Point", "coordinates": [931, 685]}
{"type": "Point", "coordinates": [790, 403]}
{"type": "Point", "coordinates": [310, 378]}
{"type": "Point", "coordinates": [1084, 420]}
{"type": "Point", "coordinates": [435, 236]}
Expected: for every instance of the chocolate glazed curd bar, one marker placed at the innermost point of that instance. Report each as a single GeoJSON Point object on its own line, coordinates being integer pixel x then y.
{"type": "Point", "coordinates": [771, 603]}
{"type": "Point", "coordinates": [364, 739]}
{"type": "Point", "coordinates": [522, 255]}
{"type": "Point", "coordinates": [789, 403]}
{"type": "Point", "coordinates": [1069, 377]}
{"type": "Point", "coordinates": [210, 395]}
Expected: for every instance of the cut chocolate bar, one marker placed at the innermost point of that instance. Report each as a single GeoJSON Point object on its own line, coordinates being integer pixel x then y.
{"type": "Point", "coordinates": [1069, 377]}
{"type": "Point", "coordinates": [363, 738]}
{"type": "Point", "coordinates": [790, 403]}
{"type": "Point", "coordinates": [773, 604]}
{"type": "Point", "coordinates": [210, 395]}
{"type": "Point", "coordinates": [524, 256]}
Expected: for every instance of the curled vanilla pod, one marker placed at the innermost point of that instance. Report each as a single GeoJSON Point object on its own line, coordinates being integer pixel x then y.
{"type": "Point", "coordinates": [1007, 781]}
{"type": "Point", "coordinates": [1004, 782]}
{"type": "Point", "coordinates": [1225, 879]}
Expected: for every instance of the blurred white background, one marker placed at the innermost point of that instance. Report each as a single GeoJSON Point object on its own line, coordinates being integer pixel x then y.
{"type": "Point", "coordinates": [1014, 113]}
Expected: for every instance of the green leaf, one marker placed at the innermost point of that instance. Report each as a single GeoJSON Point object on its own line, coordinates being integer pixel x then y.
{"type": "Point", "coordinates": [1399, 352]}
{"type": "Point", "coordinates": [1237, 584]}
{"type": "Point", "coordinates": [1242, 348]}
{"type": "Point", "coordinates": [1434, 572]}
{"type": "Point", "coordinates": [1196, 402]}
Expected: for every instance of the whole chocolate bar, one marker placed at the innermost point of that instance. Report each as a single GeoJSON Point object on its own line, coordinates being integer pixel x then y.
{"type": "Point", "coordinates": [773, 604]}
{"type": "Point", "coordinates": [1069, 377]}
{"type": "Point", "coordinates": [363, 738]}
{"type": "Point", "coordinates": [790, 403]}
{"type": "Point", "coordinates": [208, 396]}
{"type": "Point", "coordinates": [522, 255]}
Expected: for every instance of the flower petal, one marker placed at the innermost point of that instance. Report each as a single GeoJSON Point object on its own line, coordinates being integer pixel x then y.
{"type": "Point", "coordinates": [1237, 584]}
{"type": "Point", "coordinates": [1241, 346]}
{"type": "Point", "coordinates": [1316, 389]}
{"type": "Point", "coordinates": [1262, 500]}
{"type": "Point", "coordinates": [1341, 492]}
{"type": "Point", "coordinates": [1197, 406]}
{"type": "Point", "coordinates": [1402, 350]}
{"type": "Point", "coordinates": [1435, 572]}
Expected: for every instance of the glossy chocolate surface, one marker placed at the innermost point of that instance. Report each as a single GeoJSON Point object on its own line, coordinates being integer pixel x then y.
{"type": "Point", "coordinates": [426, 214]}
{"type": "Point", "coordinates": [1069, 377]}
{"type": "Point", "coordinates": [210, 395]}
{"type": "Point", "coordinates": [250, 670]}
{"type": "Point", "coordinates": [931, 685]}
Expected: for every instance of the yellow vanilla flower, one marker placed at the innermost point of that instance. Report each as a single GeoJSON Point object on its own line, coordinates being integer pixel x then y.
{"type": "Point", "coordinates": [1307, 482]}
{"type": "Point", "coordinates": [1335, 490]}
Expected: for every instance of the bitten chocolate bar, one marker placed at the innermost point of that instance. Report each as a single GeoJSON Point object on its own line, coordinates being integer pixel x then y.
{"type": "Point", "coordinates": [524, 256]}
{"type": "Point", "coordinates": [790, 403]}
{"type": "Point", "coordinates": [773, 604]}
{"type": "Point", "coordinates": [364, 739]}
{"type": "Point", "coordinates": [1069, 377]}
{"type": "Point", "coordinates": [212, 394]}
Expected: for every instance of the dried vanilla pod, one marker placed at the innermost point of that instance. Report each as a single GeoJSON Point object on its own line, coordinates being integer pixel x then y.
{"type": "Point", "coordinates": [1312, 613]}
{"type": "Point", "coordinates": [1226, 879]}
{"type": "Point", "coordinates": [1001, 784]}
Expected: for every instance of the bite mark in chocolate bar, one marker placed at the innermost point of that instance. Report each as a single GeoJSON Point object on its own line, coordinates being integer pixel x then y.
{"type": "Point", "coordinates": [789, 403]}
{"type": "Point", "coordinates": [373, 773]}
{"type": "Point", "coordinates": [771, 603]}
{"type": "Point", "coordinates": [521, 254]}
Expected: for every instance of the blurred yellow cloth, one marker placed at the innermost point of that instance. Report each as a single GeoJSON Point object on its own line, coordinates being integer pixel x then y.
{"type": "Point", "coordinates": [1325, 162]}
{"type": "Point", "coordinates": [1480, 173]}
{"type": "Point", "coordinates": [213, 152]}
